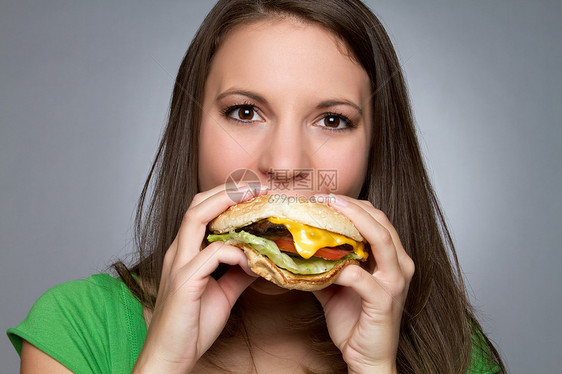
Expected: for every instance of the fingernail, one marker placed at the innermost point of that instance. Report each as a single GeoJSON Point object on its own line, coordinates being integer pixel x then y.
{"type": "Point", "coordinates": [338, 202]}
{"type": "Point", "coordinates": [255, 190]}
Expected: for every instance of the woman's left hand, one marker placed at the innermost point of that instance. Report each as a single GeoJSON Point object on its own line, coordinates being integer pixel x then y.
{"type": "Point", "coordinates": [363, 316]}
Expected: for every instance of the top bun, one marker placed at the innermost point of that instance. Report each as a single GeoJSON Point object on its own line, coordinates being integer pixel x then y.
{"type": "Point", "coordinates": [297, 209]}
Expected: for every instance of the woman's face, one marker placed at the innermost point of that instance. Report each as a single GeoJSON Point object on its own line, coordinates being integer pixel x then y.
{"type": "Point", "coordinates": [284, 100]}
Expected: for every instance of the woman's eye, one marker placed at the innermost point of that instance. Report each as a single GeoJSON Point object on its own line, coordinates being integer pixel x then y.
{"type": "Point", "coordinates": [243, 113]}
{"type": "Point", "coordinates": [333, 121]}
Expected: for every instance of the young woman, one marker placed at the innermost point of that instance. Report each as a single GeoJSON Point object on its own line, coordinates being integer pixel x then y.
{"type": "Point", "coordinates": [284, 89]}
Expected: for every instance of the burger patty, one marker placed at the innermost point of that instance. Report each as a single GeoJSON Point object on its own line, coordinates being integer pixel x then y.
{"type": "Point", "coordinates": [267, 229]}
{"type": "Point", "coordinates": [275, 231]}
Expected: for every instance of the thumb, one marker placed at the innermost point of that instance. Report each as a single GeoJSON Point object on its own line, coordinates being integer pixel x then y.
{"type": "Point", "coordinates": [234, 282]}
{"type": "Point", "coordinates": [325, 295]}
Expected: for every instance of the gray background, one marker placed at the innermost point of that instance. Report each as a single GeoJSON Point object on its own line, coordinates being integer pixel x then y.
{"type": "Point", "coordinates": [85, 89]}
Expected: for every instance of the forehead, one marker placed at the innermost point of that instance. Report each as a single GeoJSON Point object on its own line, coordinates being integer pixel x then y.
{"type": "Point", "coordinates": [287, 54]}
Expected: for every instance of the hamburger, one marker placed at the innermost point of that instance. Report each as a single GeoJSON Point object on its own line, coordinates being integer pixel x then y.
{"type": "Point", "coordinates": [296, 244]}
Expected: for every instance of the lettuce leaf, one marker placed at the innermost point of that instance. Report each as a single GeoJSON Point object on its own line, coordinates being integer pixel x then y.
{"type": "Point", "coordinates": [268, 248]}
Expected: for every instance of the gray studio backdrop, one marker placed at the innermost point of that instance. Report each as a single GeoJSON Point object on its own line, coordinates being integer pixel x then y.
{"type": "Point", "coordinates": [84, 93]}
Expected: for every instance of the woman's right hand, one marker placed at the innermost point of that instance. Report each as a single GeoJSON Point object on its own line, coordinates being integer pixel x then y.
{"type": "Point", "coordinates": [192, 308]}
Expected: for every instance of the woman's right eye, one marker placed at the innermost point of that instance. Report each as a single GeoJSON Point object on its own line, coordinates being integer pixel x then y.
{"type": "Point", "coordinates": [243, 113]}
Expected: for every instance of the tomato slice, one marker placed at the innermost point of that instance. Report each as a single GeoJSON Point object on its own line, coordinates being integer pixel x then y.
{"type": "Point", "coordinates": [327, 253]}
{"type": "Point", "coordinates": [286, 245]}
{"type": "Point", "coordinates": [332, 253]}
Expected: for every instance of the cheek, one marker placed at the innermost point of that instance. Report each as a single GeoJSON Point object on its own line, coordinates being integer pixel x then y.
{"type": "Point", "coordinates": [219, 155]}
{"type": "Point", "coordinates": [351, 164]}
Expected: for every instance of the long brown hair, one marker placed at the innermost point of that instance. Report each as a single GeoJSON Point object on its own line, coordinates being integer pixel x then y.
{"type": "Point", "coordinates": [438, 324]}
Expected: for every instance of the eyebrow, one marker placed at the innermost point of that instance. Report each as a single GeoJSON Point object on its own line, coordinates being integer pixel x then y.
{"type": "Point", "coordinates": [249, 94]}
{"type": "Point", "coordinates": [323, 105]}
{"type": "Point", "coordinates": [330, 103]}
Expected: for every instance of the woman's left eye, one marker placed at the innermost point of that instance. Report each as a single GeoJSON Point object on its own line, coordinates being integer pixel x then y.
{"type": "Point", "coordinates": [243, 113]}
{"type": "Point", "coordinates": [335, 122]}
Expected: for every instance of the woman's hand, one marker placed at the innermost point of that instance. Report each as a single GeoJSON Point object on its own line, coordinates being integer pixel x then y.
{"type": "Point", "coordinates": [192, 308]}
{"type": "Point", "coordinates": [363, 316]}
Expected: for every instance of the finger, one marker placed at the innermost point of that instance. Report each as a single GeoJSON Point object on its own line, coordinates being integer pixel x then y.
{"type": "Point", "coordinates": [170, 257]}
{"type": "Point", "coordinates": [359, 279]}
{"type": "Point", "coordinates": [252, 189]}
{"type": "Point", "coordinates": [172, 250]}
{"type": "Point", "coordinates": [381, 218]}
{"type": "Point", "coordinates": [367, 286]}
{"type": "Point", "coordinates": [381, 240]}
{"type": "Point", "coordinates": [345, 306]}
{"type": "Point", "coordinates": [324, 295]}
{"type": "Point", "coordinates": [405, 261]}
{"type": "Point", "coordinates": [204, 195]}
{"type": "Point", "coordinates": [194, 225]}
{"type": "Point", "coordinates": [191, 280]}
{"type": "Point", "coordinates": [234, 282]}
{"type": "Point", "coordinates": [196, 273]}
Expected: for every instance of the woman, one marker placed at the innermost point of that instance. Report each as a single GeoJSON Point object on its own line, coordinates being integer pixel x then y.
{"type": "Point", "coordinates": [284, 89]}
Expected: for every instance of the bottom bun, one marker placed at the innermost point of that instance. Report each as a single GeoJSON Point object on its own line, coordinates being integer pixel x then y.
{"type": "Point", "coordinates": [265, 268]}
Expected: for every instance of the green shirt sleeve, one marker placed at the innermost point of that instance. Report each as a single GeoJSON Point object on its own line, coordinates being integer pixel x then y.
{"type": "Point", "coordinates": [90, 326]}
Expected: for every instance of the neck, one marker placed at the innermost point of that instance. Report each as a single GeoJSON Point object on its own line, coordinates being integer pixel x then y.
{"type": "Point", "coordinates": [271, 337]}
{"type": "Point", "coordinates": [267, 315]}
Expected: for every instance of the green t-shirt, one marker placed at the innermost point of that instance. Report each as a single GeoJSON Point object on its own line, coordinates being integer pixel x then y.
{"type": "Point", "coordinates": [96, 325]}
{"type": "Point", "coordinates": [93, 325]}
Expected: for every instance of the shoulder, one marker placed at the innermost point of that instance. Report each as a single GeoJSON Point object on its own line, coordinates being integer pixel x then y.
{"type": "Point", "coordinates": [84, 316]}
{"type": "Point", "coordinates": [67, 307]}
{"type": "Point", "coordinates": [95, 285]}
{"type": "Point", "coordinates": [83, 294]}
{"type": "Point", "coordinates": [98, 283]}
{"type": "Point", "coordinates": [72, 300]}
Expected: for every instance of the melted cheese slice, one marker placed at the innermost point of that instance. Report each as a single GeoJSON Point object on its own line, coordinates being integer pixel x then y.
{"type": "Point", "coordinates": [308, 239]}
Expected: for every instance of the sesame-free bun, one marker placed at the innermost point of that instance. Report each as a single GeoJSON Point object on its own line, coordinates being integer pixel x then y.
{"type": "Point", "coordinates": [301, 210]}
{"type": "Point", "coordinates": [265, 268]}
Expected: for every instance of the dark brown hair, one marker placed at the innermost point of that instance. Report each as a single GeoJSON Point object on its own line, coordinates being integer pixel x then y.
{"type": "Point", "coordinates": [438, 324]}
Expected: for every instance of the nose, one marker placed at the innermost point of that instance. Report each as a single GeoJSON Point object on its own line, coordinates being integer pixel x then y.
{"type": "Point", "coordinates": [285, 159]}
